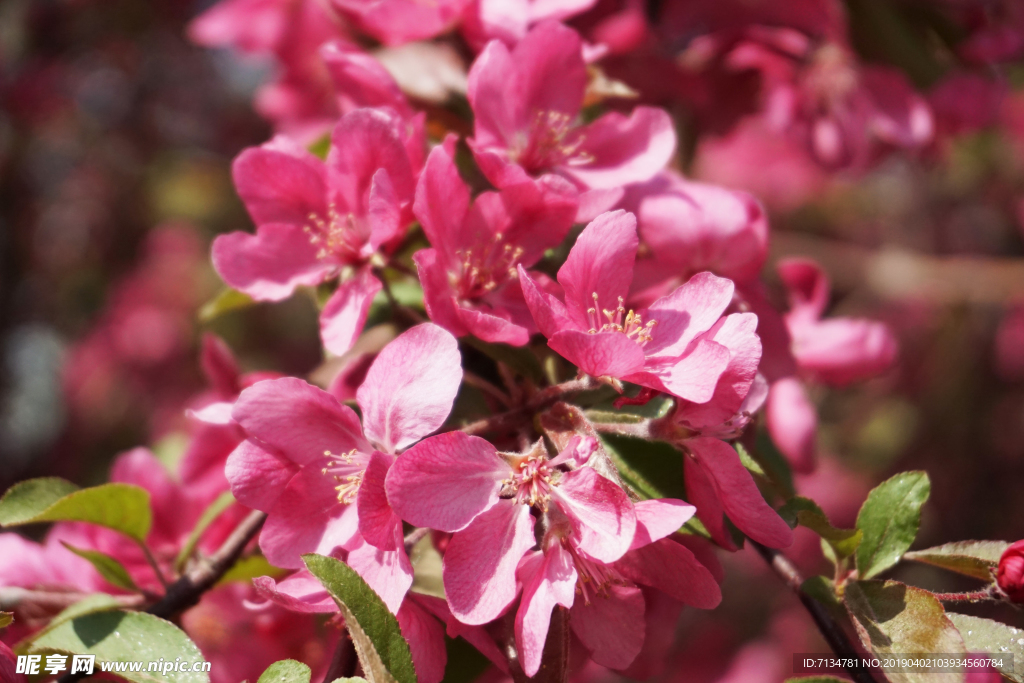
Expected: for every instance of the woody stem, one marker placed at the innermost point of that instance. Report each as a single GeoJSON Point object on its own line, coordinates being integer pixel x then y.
{"type": "Point", "coordinates": [512, 419]}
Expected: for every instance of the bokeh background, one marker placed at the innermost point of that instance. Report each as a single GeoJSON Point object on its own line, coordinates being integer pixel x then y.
{"type": "Point", "coordinates": [116, 138]}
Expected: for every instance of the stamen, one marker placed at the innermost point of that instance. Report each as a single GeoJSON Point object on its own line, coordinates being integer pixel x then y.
{"type": "Point", "coordinates": [619, 320]}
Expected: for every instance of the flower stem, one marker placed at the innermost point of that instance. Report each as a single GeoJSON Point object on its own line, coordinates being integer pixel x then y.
{"type": "Point", "coordinates": [969, 596]}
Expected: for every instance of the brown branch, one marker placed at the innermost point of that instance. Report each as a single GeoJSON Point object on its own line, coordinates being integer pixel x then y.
{"type": "Point", "coordinates": [831, 631]}
{"type": "Point", "coordinates": [186, 591]}
{"type": "Point", "coordinates": [513, 419]}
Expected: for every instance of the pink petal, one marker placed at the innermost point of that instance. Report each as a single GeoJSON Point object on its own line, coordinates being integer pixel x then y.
{"type": "Point", "coordinates": [410, 388]}
{"type": "Point", "coordinates": [218, 413]}
{"type": "Point", "coordinates": [793, 423]}
{"type": "Point", "coordinates": [593, 203]}
{"type": "Point", "coordinates": [611, 626]}
{"type": "Point", "coordinates": [258, 476]}
{"type": "Point", "coordinates": [672, 569]}
{"type": "Point", "coordinates": [701, 492]}
{"type": "Point", "coordinates": [280, 183]}
{"type": "Point", "coordinates": [901, 117]}
{"type": "Point", "coordinates": [442, 199]}
{"type": "Point", "coordinates": [300, 592]}
{"type": "Point", "coordinates": [480, 562]}
{"type": "Point", "coordinates": [491, 328]}
{"type": "Point", "coordinates": [307, 518]}
{"type": "Point", "coordinates": [425, 635]}
{"type": "Point", "coordinates": [625, 150]}
{"type": "Point", "coordinates": [548, 312]}
{"type": "Point", "coordinates": [384, 211]}
{"type": "Point", "coordinates": [298, 419]}
{"type": "Point", "coordinates": [269, 265]}
{"type": "Point", "coordinates": [601, 263]}
{"type": "Point", "coordinates": [605, 354]}
{"type": "Point", "coordinates": [843, 350]}
{"type": "Point", "coordinates": [387, 572]}
{"type": "Point", "coordinates": [360, 80]}
{"type": "Point", "coordinates": [549, 579]}
{"type": "Point", "coordinates": [738, 494]}
{"type": "Point", "coordinates": [552, 74]}
{"type": "Point", "coordinates": [477, 636]}
{"type": "Point", "coordinates": [438, 297]}
{"type": "Point", "coordinates": [364, 142]}
{"type": "Point", "coordinates": [378, 523]}
{"type": "Point", "coordinates": [693, 377]}
{"type": "Point", "coordinates": [492, 92]}
{"type": "Point", "coordinates": [807, 285]}
{"type": "Point", "coordinates": [600, 511]}
{"type": "Point", "coordinates": [656, 519]}
{"type": "Point", "coordinates": [344, 315]}
{"type": "Point", "coordinates": [219, 366]}
{"type": "Point", "coordinates": [691, 310]}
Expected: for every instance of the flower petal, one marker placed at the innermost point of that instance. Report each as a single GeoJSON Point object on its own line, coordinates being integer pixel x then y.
{"type": "Point", "coordinates": [387, 572]}
{"type": "Point", "coordinates": [605, 354]}
{"type": "Point", "coordinates": [344, 315]}
{"type": "Point", "coordinates": [300, 592]}
{"type": "Point", "coordinates": [672, 569]}
{"type": "Point", "coordinates": [691, 310]}
{"type": "Point", "coordinates": [548, 312]}
{"type": "Point", "coordinates": [425, 636]}
{"type": "Point", "coordinates": [657, 518]}
{"type": "Point", "coordinates": [611, 626]}
{"type": "Point", "coordinates": [600, 511]}
{"type": "Point", "coordinates": [480, 562]}
{"type": "Point", "coordinates": [269, 265]}
{"type": "Point", "coordinates": [549, 579]}
{"type": "Point", "coordinates": [600, 263]}
{"type": "Point", "coordinates": [410, 388]}
{"type": "Point", "coordinates": [625, 150]}
{"type": "Point", "coordinates": [378, 523]}
{"type": "Point", "coordinates": [298, 419]}
{"type": "Point", "coordinates": [442, 199]}
{"type": "Point", "coordinates": [280, 182]}
{"type": "Point", "coordinates": [793, 423]}
{"type": "Point", "coordinates": [258, 476]}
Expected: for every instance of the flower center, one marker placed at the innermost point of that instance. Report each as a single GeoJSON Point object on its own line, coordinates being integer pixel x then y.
{"type": "Point", "coordinates": [618, 320]}
{"type": "Point", "coordinates": [531, 481]}
{"type": "Point", "coordinates": [347, 474]}
{"type": "Point", "coordinates": [552, 140]}
{"type": "Point", "coordinates": [336, 235]}
{"type": "Point", "coordinates": [486, 269]}
{"type": "Point", "coordinates": [593, 578]}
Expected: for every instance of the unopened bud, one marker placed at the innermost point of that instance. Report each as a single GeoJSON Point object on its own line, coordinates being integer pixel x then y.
{"type": "Point", "coordinates": [1010, 575]}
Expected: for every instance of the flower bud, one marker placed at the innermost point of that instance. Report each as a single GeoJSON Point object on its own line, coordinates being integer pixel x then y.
{"type": "Point", "coordinates": [1010, 575]}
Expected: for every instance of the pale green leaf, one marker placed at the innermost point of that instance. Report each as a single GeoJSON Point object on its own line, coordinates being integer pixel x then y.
{"type": "Point", "coordinates": [992, 637]}
{"type": "Point", "coordinates": [892, 618]}
{"type": "Point", "coordinates": [286, 671]}
{"type": "Point", "coordinates": [119, 636]}
{"type": "Point", "coordinates": [212, 512]}
{"type": "Point", "coordinates": [426, 567]}
{"type": "Point", "coordinates": [121, 507]}
{"type": "Point", "coordinates": [382, 650]}
{"type": "Point", "coordinates": [653, 469]}
{"type": "Point", "coordinates": [248, 568]}
{"type": "Point", "coordinates": [972, 558]}
{"type": "Point", "coordinates": [889, 519]}
{"type": "Point", "coordinates": [109, 568]}
{"type": "Point", "coordinates": [227, 300]}
{"type": "Point", "coordinates": [807, 513]}
{"type": "Point", "coordinates": [6, 619]}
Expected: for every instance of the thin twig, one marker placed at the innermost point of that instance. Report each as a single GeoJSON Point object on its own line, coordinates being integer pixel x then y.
{"type": "Point", "coordinates": [14, 599]}
{"type": "Point", "coordinates": [970, 596]}
{"type": "Point", "coordinates": [512, 419]}
{"type": "Point", "coordinates": [155, 565]}
{"type": "Point", "coordinates": [637, 430]}
{"type": "Point", "coordinates": [482, 384]}
{"type": "Point", "coordinates": [186, 591]}
{"type": "Point", "coordinates": [831, 631]}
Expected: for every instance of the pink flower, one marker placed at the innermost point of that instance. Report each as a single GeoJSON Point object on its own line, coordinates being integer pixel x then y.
{"type": "Point", "coordinates": [607, 606]}
{"type": "Point", "coordinates": [394, 22]}
{"type": "Point", "coordinates": [459, 483]}
{"type": "Point", "coordinates": [1010, 575]}
{"type": "Point", "coordinates": [688, 227]}
{"type": "Point", "coordinates": [675, 346]}
{"type": "Point", "coordinates": [316, 220]}
{"type": "Point", "coordinates": [526, 104]}
{"type": "Point", "coordinates": [510, 20]}
{"type": "Point", "coordinates": [837, 351]}
{"type": "Point", "coordinates": [307, 458]}
{"type": "Point", "coordinates": [469, 277]}
{"type": "Point", "coordinates": [9, 666]}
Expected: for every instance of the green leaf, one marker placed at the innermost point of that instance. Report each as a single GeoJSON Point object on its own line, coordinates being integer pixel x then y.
{"type": "Point", "coordinates": [248, 568]}
{"type": "Point", "coordinates": [119, 636]}
{"type": "Point", "coordinates": [121, 507]}
{"type": "Point", "coordinates": [823, 590]}
{"type": "Point", "coordinates": [993, 637]}
{"type": "Point", "coordinates": [807, 513]}
{"type": "Point", "coordinates": [889, 519]}
{"type": "Point", "coordinates": [6, 619]}
{"type": "Point", "coordinates": [108, 567]}
{"type": "Point", "coordinates": [212, 512]}
{"type": "Point", "coordinates": [892, 618]}
{"type": "Point", "coordinates": [774, 464]}
{"type": "Point", "coordinates": [382, 650]}
{"type": "Point", "coordinates": [286, 671]}
{"type": "Point", "coordinates": [653, 469]}
{"type": "Point", "coordinates": [426, 567]}
{"type": "Point", "coordinates": [973, 558]}
{"type": "Point", "coordinates": [227, 300]}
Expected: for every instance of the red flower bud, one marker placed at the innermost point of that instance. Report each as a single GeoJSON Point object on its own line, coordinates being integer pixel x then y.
{"type": "Point", "coordinates": [1010, 575]}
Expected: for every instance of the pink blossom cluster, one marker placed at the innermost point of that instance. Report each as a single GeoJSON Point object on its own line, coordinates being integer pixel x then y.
{"type": "Point", "coordinates": [660, 291]}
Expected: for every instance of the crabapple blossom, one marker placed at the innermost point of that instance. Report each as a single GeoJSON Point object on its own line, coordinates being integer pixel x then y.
{"type": "Point", "coordinates": [673, 346]}
{"type": "Point", "coordinates": [318, 220]}
{"type": "Point", "coordinates": [469, 276]}
{"type": "Point", "coordinates": [461, 484]}
{"type": "Point", "coordinates": [1010, 574]}
{"type": "Point", "coordinates": [319, 473]}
